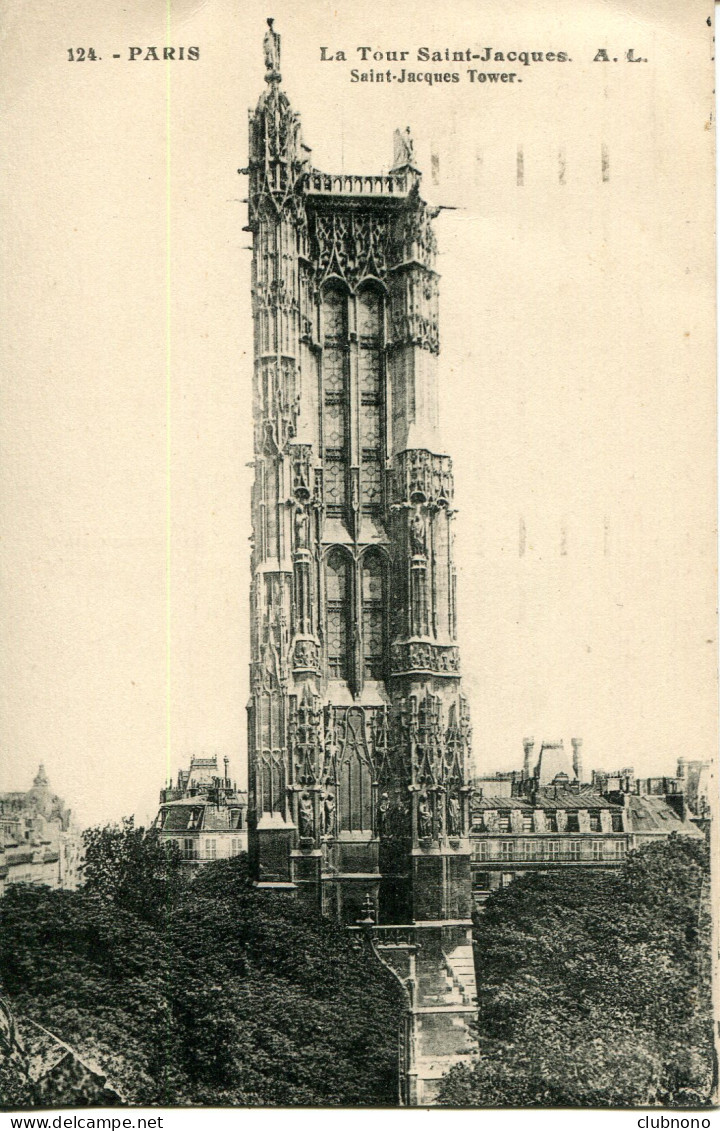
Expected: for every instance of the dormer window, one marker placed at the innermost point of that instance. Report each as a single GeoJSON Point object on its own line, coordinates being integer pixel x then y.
{"type": "Point", "coordinates": [573, 823]}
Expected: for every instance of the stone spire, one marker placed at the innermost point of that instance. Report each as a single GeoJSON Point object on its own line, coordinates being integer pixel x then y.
{"type": "Point", "coordinates": [278, 158]}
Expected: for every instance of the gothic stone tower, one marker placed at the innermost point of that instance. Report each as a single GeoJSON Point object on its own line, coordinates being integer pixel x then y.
{"type": "Point", "coordinates": [359, 735]}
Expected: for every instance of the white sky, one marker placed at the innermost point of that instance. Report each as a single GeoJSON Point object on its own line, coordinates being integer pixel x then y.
{"type": "Point", "coordinates": [576, 392]}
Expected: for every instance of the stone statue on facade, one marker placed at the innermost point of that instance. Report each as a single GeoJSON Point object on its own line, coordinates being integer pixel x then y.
{"type": "Point", "coordinates": [302, 529]}
{"type": "Point", "coordinates": [306, 818]}
{"type": "Point", "coordinates": [424, 818]}
{"type": "Point", "coordinates": [328, 814]}
{"type": "Point", "coordinates": [454, 819]}
{"type": "Point", "coordinates": [418, 545]}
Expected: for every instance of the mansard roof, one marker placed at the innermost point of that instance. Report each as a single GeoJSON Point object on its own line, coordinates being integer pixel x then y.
{"type": "Point", "coordinates": [192, 815]}
{"type": "Point", "coordinates": [500, 802]}
{"type": "Point", "coordinates": [549, 797]}
{"type": "Point", "coordinates": [180, 820]}
{"type": "Point", "coordinates": [221, 820]}
{"type": "Point", "coordinates": [197, 801]}
{"type": "Point", "coordinates": [654, 815]}
{"type": "Point", "coordinates": [559, 797]}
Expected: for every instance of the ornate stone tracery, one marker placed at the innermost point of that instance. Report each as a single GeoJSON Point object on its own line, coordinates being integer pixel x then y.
{"type": "Point", "coordinates": [351, 245]}
{"type": "Point", "coordinates": [423, 656]}
{"type": "Point", "coordinates": [421, 477]}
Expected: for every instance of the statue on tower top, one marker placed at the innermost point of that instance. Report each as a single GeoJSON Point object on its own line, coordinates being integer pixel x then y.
{"type": "Point", "coordinates": [271, 47]}
{"type": "Point", "coordinates": [403, 149]}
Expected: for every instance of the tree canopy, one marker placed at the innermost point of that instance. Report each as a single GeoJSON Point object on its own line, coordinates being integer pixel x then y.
{"type": "Point", "coordinates": [594, 988]}
{"type": "Point", "coordinates": [133, 868]}
{"type": "Point", "coordinates": [204, 993]}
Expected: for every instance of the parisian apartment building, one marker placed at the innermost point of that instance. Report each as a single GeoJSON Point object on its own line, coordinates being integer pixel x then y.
{"type": "Point", "coordinates": [204, 812]}
{"type": "Point", "coordinates": [552, 816]}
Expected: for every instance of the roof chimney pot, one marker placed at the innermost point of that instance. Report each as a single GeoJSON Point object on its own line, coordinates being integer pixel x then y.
{"type": "Point", "coordinates": [528, 747]}
{"type": "Point", "coordinates": [577, 758]}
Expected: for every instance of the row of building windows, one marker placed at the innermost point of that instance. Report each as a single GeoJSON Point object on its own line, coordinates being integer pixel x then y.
{"type": "Point", "coordinates": [548, 849]}
{"type": "Point", "coordinates": [193, 849]}
{"type": "Point", "coordinates": [530, 825]}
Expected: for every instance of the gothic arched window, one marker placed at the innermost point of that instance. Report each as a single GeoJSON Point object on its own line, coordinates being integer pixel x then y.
{"type": "Point", "coordinates": [335, 398]}
{"type": "Point", "coordinates": [372, 384]}
{"type": "Point", "coordinates": [373, 616]}
{"type": "Point", "coordinates": [337, 582]}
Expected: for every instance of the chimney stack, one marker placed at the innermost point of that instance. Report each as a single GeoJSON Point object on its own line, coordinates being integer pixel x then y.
{"type": "Point", "coordinates": [528, 747]}
{"type": "Point", "coordinates": [577, 758]}
{"type": "Point", "coordinates": [681, 768]}
{"type": "Point", "coordinates": [226, 762]}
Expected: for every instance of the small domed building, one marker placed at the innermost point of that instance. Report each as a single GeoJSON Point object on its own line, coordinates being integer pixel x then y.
{"type": "Point", "coordinates": [40, 843]}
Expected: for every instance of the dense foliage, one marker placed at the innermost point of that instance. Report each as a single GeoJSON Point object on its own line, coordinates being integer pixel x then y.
{"type": "Point", "coordinates": [202, 993]}
{"type": "Point", "coordinates": [134, 869]}
{"type": "Point", "coordinates": [594, 988]}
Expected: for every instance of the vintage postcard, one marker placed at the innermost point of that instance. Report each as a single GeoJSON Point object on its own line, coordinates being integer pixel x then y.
{"type": "Point", "coordinates": [359, 556]}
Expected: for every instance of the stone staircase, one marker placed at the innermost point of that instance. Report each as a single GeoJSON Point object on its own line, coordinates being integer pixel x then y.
{"type": "Point", "coordinates": [460, 966]}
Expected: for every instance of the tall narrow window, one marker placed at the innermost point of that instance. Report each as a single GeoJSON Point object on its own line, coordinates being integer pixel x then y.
{"type": "Point", "coordinates": [270, 733]}
{"type": "Point", "coordinates": [338, 609]}
{"type": "Point", "coordinates": [355, 792]}
{"type": "Point", "coordinates": [355, 777]}
{"type": "Point", "coordinates": [371, 382]}
{"type": "Point", "coordinates": [335, 399]}
{"type": "Point", "coordinates": [373, 614]}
